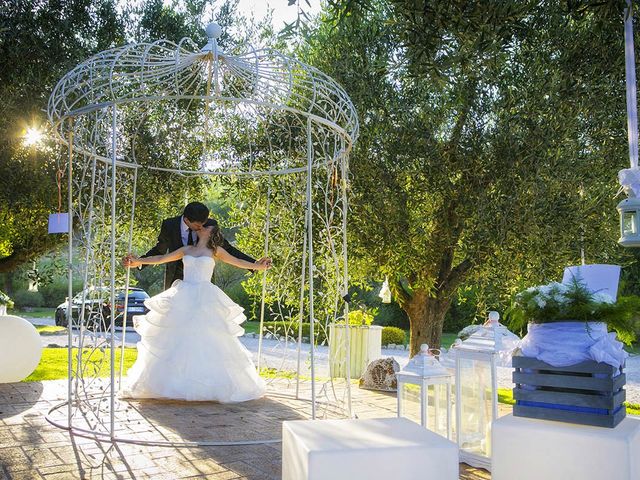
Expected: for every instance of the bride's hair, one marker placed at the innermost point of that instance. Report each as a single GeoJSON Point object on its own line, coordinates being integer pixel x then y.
{"type": "Point", "coordinates": [215, 239]}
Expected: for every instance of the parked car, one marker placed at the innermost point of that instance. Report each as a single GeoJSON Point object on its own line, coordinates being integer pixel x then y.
{"type": "Point", "coordinates": [97, 309]}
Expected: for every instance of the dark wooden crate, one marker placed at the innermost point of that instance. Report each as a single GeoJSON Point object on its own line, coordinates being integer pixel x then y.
{"type": "Point", "coordinates": [588, 393]}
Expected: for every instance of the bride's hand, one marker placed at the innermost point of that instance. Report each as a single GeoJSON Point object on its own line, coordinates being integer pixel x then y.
{"type": "Point", "coordinates": [131, 261]}
{"type": "Point", "coordinates": [263, 264]}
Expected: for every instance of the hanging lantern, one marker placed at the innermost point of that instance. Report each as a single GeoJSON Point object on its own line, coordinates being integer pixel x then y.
{"type": "Point", "coordinates": [385, 291]}
{"type": "Point", "coordinates": [426, 384]}
{"type": "Point", "coordinates": [477, 388]}
{"type": "Point", "coordinates": [629, 178]}
{"type": "Point", "coordinates": [629, 210]}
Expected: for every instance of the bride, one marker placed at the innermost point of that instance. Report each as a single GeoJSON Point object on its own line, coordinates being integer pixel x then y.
{"type": "Point", "coordinates": [189, 348]}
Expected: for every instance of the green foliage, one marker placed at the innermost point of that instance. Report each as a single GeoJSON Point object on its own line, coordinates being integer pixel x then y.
{"type": "Point", "coordinates": [25, 298]}
{"type": "Point", "coordinates": [68, 32]}
{"type": "Point", "coordinates": [558, 302]}
{"type": "Point", "coordinates": [5, 300]}
{"type": "Point", "coordinates": [359, 317]}
{"type": "Point", "coordinates": [489, 137]}
{"type": "Point", "coordinates": [55, 293]}
{"type": "Point", "coordinates": [392, 335]}
{"type": "Point", "coordinates": [464, 310]}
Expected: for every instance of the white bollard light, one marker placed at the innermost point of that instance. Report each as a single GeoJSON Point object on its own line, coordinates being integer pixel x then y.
{"type": "Point", "coordinates": [20, 348]}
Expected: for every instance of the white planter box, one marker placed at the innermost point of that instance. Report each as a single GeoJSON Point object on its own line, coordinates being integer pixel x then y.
{"type": "Point", "coordinates": [365, 347]}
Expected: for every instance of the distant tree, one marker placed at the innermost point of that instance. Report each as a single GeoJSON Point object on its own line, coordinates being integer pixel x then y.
{"type": "Point", "coordinates": [491, 133]}
{"type": "Point", "coordinates": [39, 43]}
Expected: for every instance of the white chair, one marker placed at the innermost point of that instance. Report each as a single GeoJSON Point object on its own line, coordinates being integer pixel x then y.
{"type": "Point", "coordinates": [529, 449]}
{"type": "Point", "coordinates": [372, 449]}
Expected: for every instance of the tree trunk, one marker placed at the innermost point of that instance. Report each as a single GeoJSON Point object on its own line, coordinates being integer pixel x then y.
{"type": "Point", "coordinates": [426, 314]}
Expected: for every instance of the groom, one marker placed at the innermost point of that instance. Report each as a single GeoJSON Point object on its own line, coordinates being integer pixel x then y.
{"type": "Point", "coordinates": [179, 231]}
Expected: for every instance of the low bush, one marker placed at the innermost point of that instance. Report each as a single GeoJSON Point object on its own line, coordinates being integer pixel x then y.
{"type": "Point", "coordinates": [55, 293]}
{"type": "Point", "coordinates": [392, 335]}
{"type": "Point", "coordinates": [27, 299]}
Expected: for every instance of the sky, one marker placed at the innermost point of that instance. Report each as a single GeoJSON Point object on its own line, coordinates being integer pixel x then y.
{"type": "Point", "coordinates": [282, 11]}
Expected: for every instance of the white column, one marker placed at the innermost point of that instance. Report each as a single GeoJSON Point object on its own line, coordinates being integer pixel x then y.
{"type": "Point", "coordinates": [310, 259]}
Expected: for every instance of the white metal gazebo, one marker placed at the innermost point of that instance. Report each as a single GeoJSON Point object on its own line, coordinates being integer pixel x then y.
{"type": "Point", "coordinates": [256, 116]}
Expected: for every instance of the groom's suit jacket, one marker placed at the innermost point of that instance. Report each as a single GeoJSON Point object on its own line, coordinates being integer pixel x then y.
{"type": "Point", "coordinates": [170, 239]}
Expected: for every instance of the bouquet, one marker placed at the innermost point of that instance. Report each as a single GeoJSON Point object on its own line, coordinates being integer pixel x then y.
{"type": "Point", "coordinates": [573, 302]}
{"type": "Point", "coordinates": [5, 300]}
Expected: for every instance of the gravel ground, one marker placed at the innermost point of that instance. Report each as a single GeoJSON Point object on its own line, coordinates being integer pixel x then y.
{"type": "Point", "coordinates": [277, 354]}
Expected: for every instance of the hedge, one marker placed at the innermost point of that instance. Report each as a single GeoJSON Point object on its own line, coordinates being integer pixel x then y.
{"type": "Point", "coordinates": [25, 298]}
{"type": "Point", "coordinates": [390, 335]}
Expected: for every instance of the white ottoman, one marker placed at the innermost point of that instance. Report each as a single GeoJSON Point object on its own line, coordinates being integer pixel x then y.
{"type": "Point", "coordinates": [372, 449]}
{"type": "Point", "coordinates": [529, 449]}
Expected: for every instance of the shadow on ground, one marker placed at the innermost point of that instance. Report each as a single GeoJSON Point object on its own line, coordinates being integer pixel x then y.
{"type": "Point", "coordinates": [17, 397]}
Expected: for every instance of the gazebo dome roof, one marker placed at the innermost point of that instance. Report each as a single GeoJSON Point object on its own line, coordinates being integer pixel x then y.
{"type": "Point", "coordinates": [259, 86]}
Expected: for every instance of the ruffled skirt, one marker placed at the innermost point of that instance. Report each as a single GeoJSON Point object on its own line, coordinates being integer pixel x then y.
{"type": "Point", "coordinates": [190, 349]}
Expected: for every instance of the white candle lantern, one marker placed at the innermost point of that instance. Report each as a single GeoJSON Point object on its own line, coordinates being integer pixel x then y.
{"type": "Point", "coordinates": [426, 383]}
{"type": "Point", "coordinates": [629, 210]}
{"type": "Point", "coordinates": [477, 389]}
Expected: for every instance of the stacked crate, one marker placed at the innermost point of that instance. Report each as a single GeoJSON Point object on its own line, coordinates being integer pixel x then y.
{"type": "Point", "coordinates": [588, 393]}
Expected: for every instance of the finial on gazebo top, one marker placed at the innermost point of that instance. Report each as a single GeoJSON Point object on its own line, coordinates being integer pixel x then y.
{"type": "Point", "coordinates": [214, 30]}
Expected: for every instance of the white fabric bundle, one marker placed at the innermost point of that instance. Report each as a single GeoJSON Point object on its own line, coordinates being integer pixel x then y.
{"type": "Point", "coordinates": [566, 343]}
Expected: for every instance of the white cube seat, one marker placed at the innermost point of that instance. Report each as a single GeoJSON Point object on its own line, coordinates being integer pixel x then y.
{"type": "Point", "coordinates": [530, 449]}
{"type": "Point", "coordinates": [375, 449]}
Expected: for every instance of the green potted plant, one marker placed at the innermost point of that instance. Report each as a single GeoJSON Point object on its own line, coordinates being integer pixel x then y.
{"type": "Point", "coordinates": [365, 342]}
{"type": "Point", "coordinates": [568, 323]}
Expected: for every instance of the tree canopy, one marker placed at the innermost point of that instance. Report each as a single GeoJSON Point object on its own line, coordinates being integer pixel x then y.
{"type": "Point", "coordinates": [491, 134]}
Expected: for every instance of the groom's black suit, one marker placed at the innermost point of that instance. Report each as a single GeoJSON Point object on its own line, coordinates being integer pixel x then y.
{"type": "Point", "coordinates": [170, 239]}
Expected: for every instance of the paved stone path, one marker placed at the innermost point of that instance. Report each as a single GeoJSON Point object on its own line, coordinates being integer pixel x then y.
{"type": "Point", "coordinates": [32, 448]}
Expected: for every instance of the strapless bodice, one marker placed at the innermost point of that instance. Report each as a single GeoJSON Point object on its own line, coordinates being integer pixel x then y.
{"type": "Point", "coordinates": [198, 269]}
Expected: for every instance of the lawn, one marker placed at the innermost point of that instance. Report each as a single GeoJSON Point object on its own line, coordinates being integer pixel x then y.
{"type": "Point", "coordinates": [251, 327]}
{"type": "Point", "coordinates": [50, 329]}
{"type": "Point", "coordinates": [54, 363]}
{"type": "Point", "coordinates": [505, 395]}
{"type": "Point", "coordinates": [36, 312]}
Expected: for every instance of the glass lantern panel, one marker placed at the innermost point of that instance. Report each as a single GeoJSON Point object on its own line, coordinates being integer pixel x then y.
{"type": "Point", "coordinates": [410, 401]}
{"type": "Point", "coordinates": [629, 226]}
{"type": "Point", "coordinates": [476, 408]}
{"type": "Point", "coordinates": [438, 405]}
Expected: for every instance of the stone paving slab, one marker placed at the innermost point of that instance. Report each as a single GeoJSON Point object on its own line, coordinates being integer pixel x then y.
{"type": "Point", "coordinates": [32, 448]}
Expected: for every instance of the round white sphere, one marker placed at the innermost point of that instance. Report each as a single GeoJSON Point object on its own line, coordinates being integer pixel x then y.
{"type": "Point", "coordinates": [20, 348]}
{"type": "Point", "coordinates": [494, 316]}
{"type": "Point", "coordinates": [214, 30]}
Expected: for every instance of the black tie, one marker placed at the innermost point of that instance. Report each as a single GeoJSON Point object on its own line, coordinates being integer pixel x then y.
{"type": "Point", "coordinates": [189, 237]}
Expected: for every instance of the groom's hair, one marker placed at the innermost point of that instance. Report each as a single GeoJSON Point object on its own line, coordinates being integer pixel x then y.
{"type": "Point", "coordinates": [196, 212]}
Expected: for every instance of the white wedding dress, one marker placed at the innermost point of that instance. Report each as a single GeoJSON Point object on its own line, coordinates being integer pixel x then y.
{"type": "Point", "coordinates": [189, 348]}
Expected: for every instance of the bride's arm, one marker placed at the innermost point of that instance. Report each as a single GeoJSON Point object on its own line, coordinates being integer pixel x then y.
{"type": "Point", "coordinates": [158, 259]}
{"type": "Point", "coordinates": [222, 254]}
